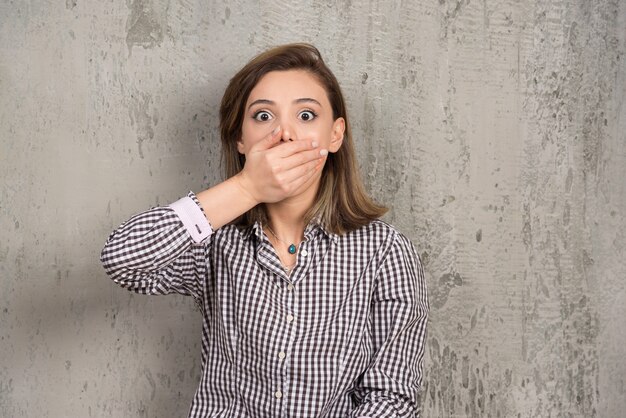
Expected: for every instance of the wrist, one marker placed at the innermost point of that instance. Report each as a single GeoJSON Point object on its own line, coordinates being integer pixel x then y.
{"type": "Point", "coordinates": [245, 188]}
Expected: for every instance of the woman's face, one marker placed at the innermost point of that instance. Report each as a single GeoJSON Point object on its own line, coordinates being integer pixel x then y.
{"type": "Point", "coordinates": [297, 102]}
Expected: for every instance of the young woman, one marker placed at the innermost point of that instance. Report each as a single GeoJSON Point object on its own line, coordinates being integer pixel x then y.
{"type": "Point", "coordinates": [312, 307]}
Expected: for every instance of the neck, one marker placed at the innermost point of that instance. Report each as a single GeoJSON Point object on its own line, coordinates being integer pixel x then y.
{"type": "Point", "coordinates": [287, 216]}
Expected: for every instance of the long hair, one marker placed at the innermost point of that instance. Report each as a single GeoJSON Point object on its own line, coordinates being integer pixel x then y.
{"type": "Point", "coordinates": [342, 203]}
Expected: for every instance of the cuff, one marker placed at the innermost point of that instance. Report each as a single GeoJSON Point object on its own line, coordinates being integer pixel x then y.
{"type": "Point", "coordinates": [193, 218]}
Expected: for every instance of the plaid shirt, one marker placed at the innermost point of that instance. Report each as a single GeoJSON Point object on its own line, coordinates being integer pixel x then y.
{"type": "Point", "coordinates": [342, 336]}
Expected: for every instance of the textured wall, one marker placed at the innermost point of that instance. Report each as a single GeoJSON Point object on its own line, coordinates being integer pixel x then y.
{"type": "Point", "coordinates": [494, 128]}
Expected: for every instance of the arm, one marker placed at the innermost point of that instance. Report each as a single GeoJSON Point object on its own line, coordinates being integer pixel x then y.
{"type": "Point", "coordinates": [160, 251]}
{"type": "Point", "coordinates": [166, 249]}
{"type": "Point", "coordinates": [389, 386]}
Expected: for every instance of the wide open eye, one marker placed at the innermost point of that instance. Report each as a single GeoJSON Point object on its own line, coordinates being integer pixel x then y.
{"type": "Point", "coordinates": [307, 115]}
{"type": "Point", "coordinates": [262, 116]}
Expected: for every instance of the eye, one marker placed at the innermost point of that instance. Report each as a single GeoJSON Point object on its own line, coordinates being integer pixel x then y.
{"type": "Point", "coordinates": [307, 115]}
{"type": "Point", "coordinates": [262, 116]}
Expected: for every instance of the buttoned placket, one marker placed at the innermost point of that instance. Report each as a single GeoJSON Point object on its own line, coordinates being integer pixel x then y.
{"type": "Point", "coordinates": [291, 320]}
{"type": "Point", "coordinates": [269, 259]}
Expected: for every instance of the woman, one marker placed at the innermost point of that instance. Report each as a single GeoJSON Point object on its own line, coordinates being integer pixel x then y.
{"type": "Point", "coordinates": [312, 307]}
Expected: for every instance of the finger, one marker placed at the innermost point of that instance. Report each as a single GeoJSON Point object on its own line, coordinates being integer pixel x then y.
{"type": "Point", "coordinates": [289, 148]}
{"type": "Point", "coordinates": [304, 182]}
{"type": "Point", "coordinates": [303, 157]}
{"type": "Point", "coordinates": [298, 177]}
{"type": "Point", "coordinates": [268, 141]}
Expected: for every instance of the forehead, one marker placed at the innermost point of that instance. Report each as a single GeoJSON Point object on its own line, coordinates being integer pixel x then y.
{"type": "Point", "coordinates": [289, 85]}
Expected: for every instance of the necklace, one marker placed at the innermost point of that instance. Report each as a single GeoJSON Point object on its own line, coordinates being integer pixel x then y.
{"type": "Point", "coordinates": [289, 268]}
{"type": "Point", "coordinates": [291, 248]}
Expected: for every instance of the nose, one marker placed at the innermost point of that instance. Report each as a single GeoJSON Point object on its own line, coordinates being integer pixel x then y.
{"type": "Point", "coordinates": [288, 133]}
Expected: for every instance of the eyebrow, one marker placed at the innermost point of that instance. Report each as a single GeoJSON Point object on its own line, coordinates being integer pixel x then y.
{"type": "Point", "coordinates": [270, 102]}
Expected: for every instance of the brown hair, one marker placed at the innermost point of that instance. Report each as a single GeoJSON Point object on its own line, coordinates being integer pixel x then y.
{"type": "Point", "coordinates": [342, 203]}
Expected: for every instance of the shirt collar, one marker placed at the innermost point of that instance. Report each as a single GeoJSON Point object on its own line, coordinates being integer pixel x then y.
{"type": "Point", "coordinates": [316, 226]}
{"type": "Point", "coordinates": [312, 230]}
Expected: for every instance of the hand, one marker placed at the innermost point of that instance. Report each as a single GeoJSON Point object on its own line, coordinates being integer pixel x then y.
{"type": "Point", "coordinates": [274, 172]}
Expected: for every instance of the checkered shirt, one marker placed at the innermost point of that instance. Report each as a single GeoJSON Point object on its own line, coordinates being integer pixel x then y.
{"type": "Point", "coordinates": [342, 335]}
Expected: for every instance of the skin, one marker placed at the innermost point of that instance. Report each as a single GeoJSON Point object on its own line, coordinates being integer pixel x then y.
{"type": "Point", "coordinates": [287, 132]}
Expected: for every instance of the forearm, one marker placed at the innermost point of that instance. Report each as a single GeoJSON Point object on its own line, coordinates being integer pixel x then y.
{"type": "Point", "coordinates": [226, 201]}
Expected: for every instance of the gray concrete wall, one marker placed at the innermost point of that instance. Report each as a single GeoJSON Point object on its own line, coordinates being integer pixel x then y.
{"type": "Point", "coordinates": [495, 129]}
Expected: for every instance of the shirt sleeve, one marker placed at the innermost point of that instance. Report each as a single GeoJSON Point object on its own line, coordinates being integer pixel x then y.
{"type": "Point", "coordinates": [389, 386]}
{"type": "Point", "coordinates": [162, 250]}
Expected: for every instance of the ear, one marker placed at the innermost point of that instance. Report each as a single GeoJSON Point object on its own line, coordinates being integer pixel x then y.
{"type": "Point", "coordinates": [240, 146]}
{"type": "Point", "coordinates": [339, 129]}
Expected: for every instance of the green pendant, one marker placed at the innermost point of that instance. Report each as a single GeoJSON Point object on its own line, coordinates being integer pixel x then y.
{"type": "Point", "coordinates": [292, 249]}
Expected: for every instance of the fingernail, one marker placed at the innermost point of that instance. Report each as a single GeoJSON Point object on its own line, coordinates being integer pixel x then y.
{"type": "Point", "coordinates": [323, 152]}
{"type": "Point", "coordinates": [315, 144]}
{"type": "Point", "coordinates": [275, 131]}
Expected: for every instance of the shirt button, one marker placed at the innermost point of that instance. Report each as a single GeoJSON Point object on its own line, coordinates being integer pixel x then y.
{"type": "Point", "coordinates": [290, 318]}
{"type": "Point", "coordinates": [289, 286]}
{"type": "Point", "coordinates": [304, 253]}
{"type": "Point", "coordinates": [281, 355]}
{"type": "Point", "coordinates": [278, 394]}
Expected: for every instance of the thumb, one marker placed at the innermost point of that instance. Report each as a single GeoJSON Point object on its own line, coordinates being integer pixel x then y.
{"type": "Point", "coordinates": [270, 140]}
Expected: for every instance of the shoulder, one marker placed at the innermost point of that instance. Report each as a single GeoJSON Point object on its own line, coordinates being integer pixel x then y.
{"type": "Point", "coordinates": [377, 229]}
{"type": "Point", "coordinates": [382, 235]}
